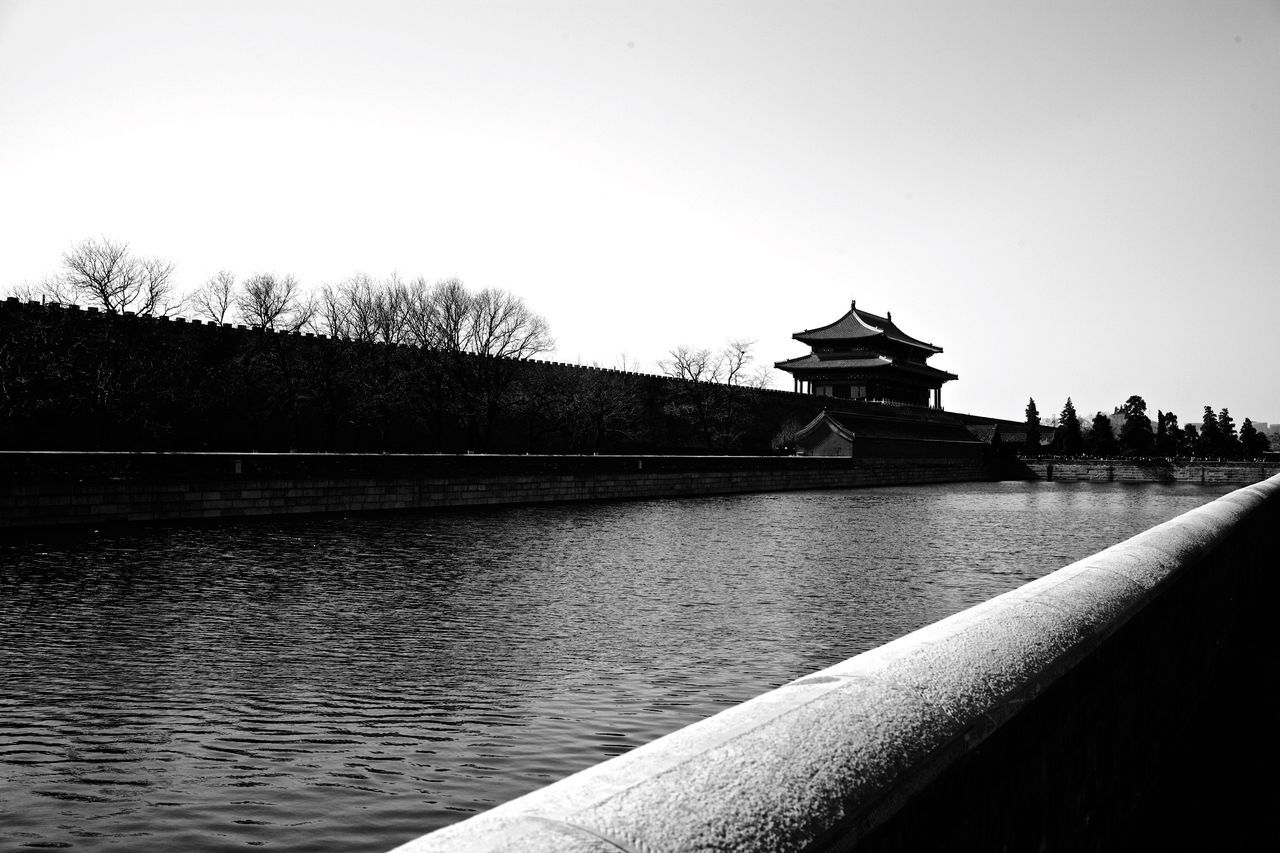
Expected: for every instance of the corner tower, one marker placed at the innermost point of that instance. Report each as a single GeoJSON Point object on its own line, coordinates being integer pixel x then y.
{"type": "Point", "coordinates": [863, 356]}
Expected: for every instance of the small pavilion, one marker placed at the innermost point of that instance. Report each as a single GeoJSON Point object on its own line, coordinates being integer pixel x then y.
{"type": "Point", "coordinates": [863, 356]}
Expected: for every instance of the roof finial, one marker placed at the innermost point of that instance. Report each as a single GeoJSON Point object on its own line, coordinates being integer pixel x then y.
{"type": "Point", "coordinates": [853, 304]}
{"type": "Point", "coordinates": [888, 315]}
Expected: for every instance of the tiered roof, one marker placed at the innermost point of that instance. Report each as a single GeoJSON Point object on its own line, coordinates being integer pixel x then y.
{"type": "Point", "coordinates": [814, 362]}
{"type": "Point", "coordinates": [858, 325]}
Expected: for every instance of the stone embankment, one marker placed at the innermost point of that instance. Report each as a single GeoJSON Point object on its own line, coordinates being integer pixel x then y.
{"type": "Point", "coordinates": [1110, 705]}
{"type": "Point", "coordinates": [1151, 471]}
{"type": "Point", "coordinates": [56, 489]}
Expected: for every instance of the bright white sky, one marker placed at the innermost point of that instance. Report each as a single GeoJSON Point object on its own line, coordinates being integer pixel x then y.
{"type": "Point", "coordinates": [1072, 198]}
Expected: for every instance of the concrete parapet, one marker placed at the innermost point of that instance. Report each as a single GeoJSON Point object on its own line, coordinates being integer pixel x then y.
{"type": "Point", "coordinates": [1094, 708]}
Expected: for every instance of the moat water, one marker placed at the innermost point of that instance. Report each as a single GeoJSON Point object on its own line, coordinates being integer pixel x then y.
{"type": "Point", "coordinates": [350, 683]}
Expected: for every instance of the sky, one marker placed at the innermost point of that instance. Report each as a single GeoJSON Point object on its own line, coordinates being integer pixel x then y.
{"type": "Point", "coordinates": [1078, 198]}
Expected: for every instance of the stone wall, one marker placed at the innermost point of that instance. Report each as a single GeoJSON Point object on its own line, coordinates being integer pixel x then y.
{"type": "Point", "coordinates": [1151, 471]}
{"type": "Point", "coordinates": [1118, 703]}
{"type": "Point", "coordinates": [55, 489]}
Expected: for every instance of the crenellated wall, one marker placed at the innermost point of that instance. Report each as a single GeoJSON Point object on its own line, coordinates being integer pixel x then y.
{"type": "Point", "coordinates": [51, 489]}
{"type": "Point", "coordinates": [1118, 703]}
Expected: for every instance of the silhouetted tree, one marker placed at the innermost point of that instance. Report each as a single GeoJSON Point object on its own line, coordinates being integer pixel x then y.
{"type": "Point", "coordinates": [216, 298]}
{"type": "Point", "coordinates": [1252, 442]}
{"type": "Point", "coordinates": [1101, 440]}
{"type": "Point", "coordinates": [1190, 441]}
{"type": "Point", "coordinates": [277, 303]}
{"type": "Point", "coordinates": [1169, 440]}
{"type": "Point", "coordinates": [104, 274]}
{"type": "Point", "coordinates": [1068, 439]}
{"type": "Point", "coordinates": [1210, 443]}
{"type": "Point", "coordinates": [1135, 432]}
{"type": "Point", "coordinates": [1230, 440]}
{"type": "Point", "coordinates": [1032, 441]}
{"type": "Point", "coordinates": [716, 393]}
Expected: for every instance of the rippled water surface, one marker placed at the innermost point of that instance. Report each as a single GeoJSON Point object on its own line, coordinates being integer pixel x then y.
{"type": "Point", "coordinates": [350, 683]}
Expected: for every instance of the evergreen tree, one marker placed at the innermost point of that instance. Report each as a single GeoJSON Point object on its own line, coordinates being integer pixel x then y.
{"type": "Point", "coordinates": [1069, 440]}
{"type": "Point", "coordinates": [1032, 442]}
{"type": "Point", "coordinates": [1101, 441]}
{"type": "Point", "coordinates": [1209, 444]}
{"type": "Point", "coordinates": [1163, 440]}
{"type": "Point", "coordinates": [1175, 443]}
{"type": "Point", "coordinates": [1135, 432]}
{"type": "Point", "coordinates": [1252, 442]}
{"type": "Point", "coordinates": [1230, 441]}
{"type": "Point", "coordinates": [1190, 441]}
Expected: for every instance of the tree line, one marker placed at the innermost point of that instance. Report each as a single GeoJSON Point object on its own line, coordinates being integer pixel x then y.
{"type": "Point", "coordinates": [1215, 437]}
{"type": "Point", "coordinates": [364, 364]}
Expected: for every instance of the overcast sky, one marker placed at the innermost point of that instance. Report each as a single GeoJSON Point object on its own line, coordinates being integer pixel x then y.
{"type": "Point", "coordinates": [1071, 198]}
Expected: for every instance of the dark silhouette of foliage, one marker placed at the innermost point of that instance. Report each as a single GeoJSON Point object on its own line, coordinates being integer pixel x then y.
{"type": "Point", "coordinates": [1231, 447]}
{"type": "Point", "coordinates": [1136, 437]}
{"type": "Point", "coordinates": [1169, 439]}
{"type": "Point", "coordinates": [1101, 440]}
{"type": "Point", "coordinates": [1068, 440]}
{"type": "Point", "coordinates": [1252, 442]}
{"type": "Point", "coordinates": [1032, 441]}
{"type": "Point", "coordinates": [1191, 438]}
{"type": "Point", "coordinates": [1211, 443]}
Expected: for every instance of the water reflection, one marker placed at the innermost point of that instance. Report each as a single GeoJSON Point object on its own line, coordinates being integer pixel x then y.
{"type": "Point", "coordinates": [352, 682]}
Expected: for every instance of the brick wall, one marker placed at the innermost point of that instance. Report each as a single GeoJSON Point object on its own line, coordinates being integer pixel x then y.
{"type": "Point", "coordinates": [55, 489]}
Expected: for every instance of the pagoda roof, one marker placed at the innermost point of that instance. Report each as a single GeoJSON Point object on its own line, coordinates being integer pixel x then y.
{"type": "Point", "coordinates": [831, 423]}
{"type": "Point", "coordinates": [858, 325]}
{"type": "Point", "coordinates": [811, 362]}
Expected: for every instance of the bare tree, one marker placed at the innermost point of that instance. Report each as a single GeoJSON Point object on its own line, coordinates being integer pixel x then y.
{"type": "Point", "coordinates": [267, 301]}
{"type": "Point", "coordinates": [357, 295]}
{"type": "Point", "coordinates": [717, 390]}
{"type": "Point", "coordinates": [451, 329]}
{"type": "Point", "coordinates": [391, 305]}
{"type": "Point", "coordinates": [48, 289]}
{"type": "Point", "coordinates": [420, 312]}
{"type": "Point", "coordinates": [730, 366]}
{"type": "Point", "coordinates": [215, 299]}
{"type": "Point", "coordinates": [333, 314]}
{"type": "Point", "coordinates": [502, 326]}
{"type": "Point", "coordinates": [104, 274]}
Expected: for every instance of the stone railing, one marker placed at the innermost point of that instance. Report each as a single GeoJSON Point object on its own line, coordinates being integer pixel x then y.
{"type": "Point", "coordinates": [1204, 472]}
{"type": "Point", "coordinates": [1104, 706]}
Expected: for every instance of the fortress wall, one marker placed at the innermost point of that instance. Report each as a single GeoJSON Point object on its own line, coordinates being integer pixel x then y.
{"type": "Point", "coordinates": [1113, 704]}
{"type": "Point", "coordinates": [57, 489]}
{"type": "Point", "coordinates": [87, 380]}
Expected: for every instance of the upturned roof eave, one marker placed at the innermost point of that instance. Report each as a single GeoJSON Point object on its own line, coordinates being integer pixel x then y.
{"type": "Point", "coordinates": [865, 325]}
{"type": "Point", "coordinates": [834, 425]}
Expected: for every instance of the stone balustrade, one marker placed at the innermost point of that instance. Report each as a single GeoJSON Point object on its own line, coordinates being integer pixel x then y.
{"type": "Point", "coordinates": [1112, 704]}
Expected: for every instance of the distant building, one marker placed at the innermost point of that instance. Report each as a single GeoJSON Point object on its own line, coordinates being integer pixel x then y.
{"type": "Point", "coordinates": [871, 432]}
{"type": "Point", "coordinates": [825, 436]}
{"type": "Point", "coordinates": [863, 356]}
